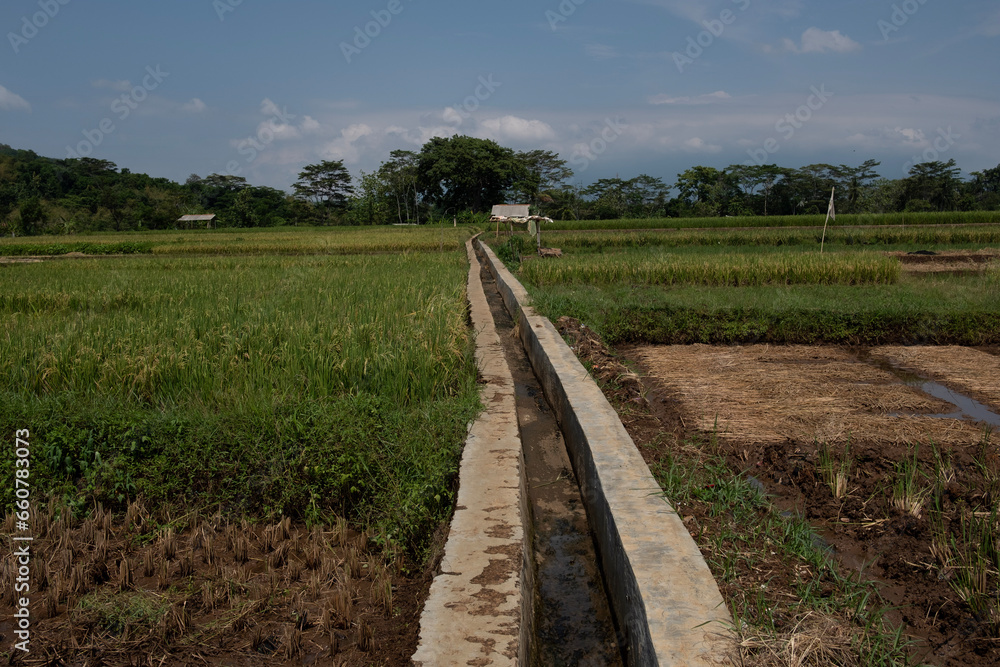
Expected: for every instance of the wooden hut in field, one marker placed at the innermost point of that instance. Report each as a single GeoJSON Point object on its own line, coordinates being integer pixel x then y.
{"type": "Point", "coordinates": [508, 211]}
{"type": "Point", "coordinates": [520, 215]}
{"type": "Point", "coordinates": [188, 221]}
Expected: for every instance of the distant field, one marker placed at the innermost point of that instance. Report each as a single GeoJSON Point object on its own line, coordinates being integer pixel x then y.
{"type": "Point", "coordinates": [272, 241]}
{"type": "Point", "coordinates": [267, 384]}
{"type": "Point", "coordinates": [653, 267]}
{"type": "Point", "coordinates": [732, 293]}
{"type": "Point", "coordinates": [882, 238]}
{"type": "Point", "coordinates": [843, 220]}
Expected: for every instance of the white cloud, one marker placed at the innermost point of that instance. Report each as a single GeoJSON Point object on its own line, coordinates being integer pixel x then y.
{"type": "Point", "coordinates": [889, 137]}
{"type": "Point", "coordinates": [12, 102]}
{"type": "Point", "coordinates": [269, 108]}
{"type": "Point", "coordinates": [517, 129]}
{"type": "Point", "coordinates": [699, 145]}
{"type": "Point", "coordinates": [281, 125]}
{"type": "Point", "coordinates": [783, 8]}
{"type": "Point", "coordinates": [991, 26]}
{"type": "Point", "coordinates": [452, 116]}
{"type": "Point", "coordinates": [815, 40]}
{"type": "Point", "coordinates": [660, 140]}
{"type": "Point", "coordinates": [355, 132]}
{"type": "Point", "coordinates": [310, 124]}
{"type": "Point", "coordinates": [345, 147]}
{"type": "Point", "coordinates": [194, 106]}
{"type": "Point", "coordinates": [699, 99]}
{"type": "Point", "coordinates": [601, 51]}
{"type": "Point", "coordinates": [692, 10]}
{"type": "Point", "coordinates": [120, 86]}
{"type": "Point", "coordinates": [697, 11]}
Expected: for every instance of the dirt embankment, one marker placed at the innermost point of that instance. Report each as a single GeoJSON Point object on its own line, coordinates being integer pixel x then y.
{"type": "Point", "coordinates": [200, 590]}
{"type": "Point", "coordinates": [776, 411]}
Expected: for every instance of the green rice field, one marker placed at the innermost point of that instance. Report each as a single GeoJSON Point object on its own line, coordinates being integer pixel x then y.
{"type": "Point", "coordinates": [654, 267]}
{"type": "Point", "coordinates": [774, 286]}
{"type": "Point", "coordinates": [842, 220]}
{"type": "Point", "coordinates": [257, 241]}
{"type": "Point", "coordinates": [259, 382]}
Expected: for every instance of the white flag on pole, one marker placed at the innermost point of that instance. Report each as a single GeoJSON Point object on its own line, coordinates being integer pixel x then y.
{"type": "Point", "coordinates": [832, 212]}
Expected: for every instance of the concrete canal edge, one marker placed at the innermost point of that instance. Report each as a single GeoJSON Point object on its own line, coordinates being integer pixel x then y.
{"type": "Point", "coordinates": [479, 611]}
{"type": "Point", "coordinates": [667, 604]}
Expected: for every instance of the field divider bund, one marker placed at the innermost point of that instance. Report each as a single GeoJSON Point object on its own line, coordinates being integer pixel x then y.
{"type": "Point", "coordinates": [667, 605]}
{"type": "Point", "coordinates": [480, 608]}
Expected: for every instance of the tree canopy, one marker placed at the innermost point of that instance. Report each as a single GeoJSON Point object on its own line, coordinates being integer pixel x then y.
{"type": "Point", "coordinates": [456, 176]}
{"type": "Point", "coordinates": [467, 173]}
{"type": "Point", "coordinates": [328, 182]}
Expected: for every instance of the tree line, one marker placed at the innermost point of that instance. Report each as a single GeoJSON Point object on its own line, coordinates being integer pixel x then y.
{"type": "Point", "coordinates": [460, 177]}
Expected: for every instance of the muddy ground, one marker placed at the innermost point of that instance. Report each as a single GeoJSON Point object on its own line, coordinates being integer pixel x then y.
{"type": "Point", "coordinates": [948, 261]}
{"type": "Point", "coordinates": [156, 589]}
{"type": "Point", "coordinates": [907, 552]}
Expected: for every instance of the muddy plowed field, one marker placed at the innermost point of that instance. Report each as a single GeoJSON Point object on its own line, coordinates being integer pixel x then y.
{"type": "Point", "coordinates": [889, 452]}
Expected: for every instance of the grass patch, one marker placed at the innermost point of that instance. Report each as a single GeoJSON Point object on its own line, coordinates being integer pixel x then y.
{"type": "Point", "coordinates": [742, 534]}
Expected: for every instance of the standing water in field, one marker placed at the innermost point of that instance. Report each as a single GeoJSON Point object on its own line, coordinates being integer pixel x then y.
{"type": "Point", "coordinates": [966, 408]}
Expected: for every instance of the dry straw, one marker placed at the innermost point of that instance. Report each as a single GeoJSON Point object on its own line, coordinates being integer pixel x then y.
{"type": "Point", "coordinates": [768, 394]}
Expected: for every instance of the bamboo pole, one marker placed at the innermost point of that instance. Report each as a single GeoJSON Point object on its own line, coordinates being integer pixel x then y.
{"type": "Point", "coordinates": [829, 210]}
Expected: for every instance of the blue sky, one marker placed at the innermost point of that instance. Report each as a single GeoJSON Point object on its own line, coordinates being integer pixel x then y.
{"type": "Point", "coordinates": [260, 88]}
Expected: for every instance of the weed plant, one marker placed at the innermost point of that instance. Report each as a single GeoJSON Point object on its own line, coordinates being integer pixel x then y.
{"type": "Point", "coordinates": [748, 531]}
{"type": "Point", "coordinates": [513, 249]}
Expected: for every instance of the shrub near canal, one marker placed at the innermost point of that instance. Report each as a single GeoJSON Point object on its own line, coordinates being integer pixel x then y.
{"type": "Point", "coordinates": [268, 385]}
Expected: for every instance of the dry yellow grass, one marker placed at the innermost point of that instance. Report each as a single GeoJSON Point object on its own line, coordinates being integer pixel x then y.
{"type": "Point", "coordinates": [767, 394]}
{"type": "Point", "coordinates": [965, 369]}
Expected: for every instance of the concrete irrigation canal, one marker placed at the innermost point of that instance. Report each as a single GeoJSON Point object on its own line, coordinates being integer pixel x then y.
{"type": "Point", "coordinates": [562, 551]}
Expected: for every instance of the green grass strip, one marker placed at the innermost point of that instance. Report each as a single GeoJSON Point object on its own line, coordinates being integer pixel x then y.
{"type": "Point", "coordinates": [721, 270]}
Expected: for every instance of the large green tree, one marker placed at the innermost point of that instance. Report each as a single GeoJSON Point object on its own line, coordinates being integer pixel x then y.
{"type": "Point", "coordinates": [984, 189]}
{"type": "Point", "coordinates": [546, 172]}
{"type": "Point", "coordinates": [932, 186]}
{"type": "Point", "coordinates": [328, 182]}
{"type": "Point", "coordinates": [467, 173]}
{"type": "Point", "coordinates": [399, 175]}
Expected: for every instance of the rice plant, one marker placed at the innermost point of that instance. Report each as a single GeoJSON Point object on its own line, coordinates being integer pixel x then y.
{"type": "Point", "coordinates": [231, 332]}
{"type": "Point", "coordinates": [274, 385]}
{"type": "Point", "coordinates": [736, 270]}
{"type": "Point", "coordinates": [601, 239]}
{"type": "Point", "coordinates": [908, 495]}
{"type": "Point", "coordinates": [843, 220]}
{"type": "Point", "coordinates": [835, 472]}
{"type": "Point", "coordinates": [267, 241]}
